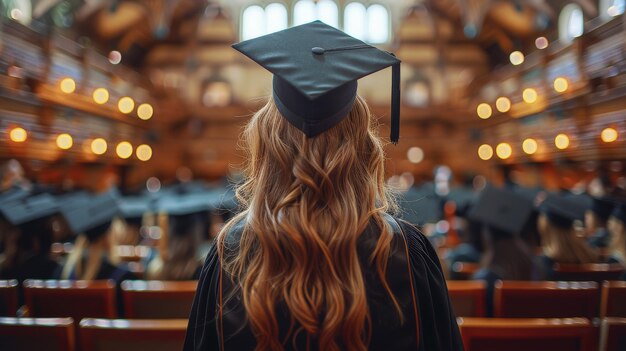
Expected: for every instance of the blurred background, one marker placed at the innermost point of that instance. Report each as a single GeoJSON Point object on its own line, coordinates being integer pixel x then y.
{"type": "Point", "coordinates": [119, 149]}
{"type": "Point", "coordinates": [95, 94]}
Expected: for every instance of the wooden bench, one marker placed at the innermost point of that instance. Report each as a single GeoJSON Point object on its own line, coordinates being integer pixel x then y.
{"type": "Point", "coordinates": [27, 334]}
{"type": "Point", "coordinates": [138, 334]}
{"type": "Point", "coordinates": [467, 297]}
{"type": "Point", "coordinates": [596, 272]}
{"type": "Point", "coordinates": [613, 299]}
{"type": "Point", "coordinates": [613, 334]}
{"type": "Point", "coordinates": [8, 297]}
{"type": "Point", "coordinates": [65, 298]}
{"type": "Point", "coordinates": [525, 299]}
{"type": "Point", "coordinates": [524, 334]}
{"type": "Point", "coordinates": [158, 299]}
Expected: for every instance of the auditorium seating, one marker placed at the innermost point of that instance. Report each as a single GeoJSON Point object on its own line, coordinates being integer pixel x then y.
{"type": "Point", "coordinates": [158, 299]}
{"type": "Point", "coordinates": [464, 270]}
{"type": "Point", "coordinates": [467, 297]}
{"type": "Point", "coordinates": [613, 337]}
{"type": "Point", "coordinates": [596, 272]}
{"type": "Point", "coordinates": [76, 299]}
{"type": "Point", "coordinates": [524, 334]}
{"type": "Point", "coordinates": [8, 297]}
{"type": "Point", "coordinates": [524, 299]}
{"type": "Point", "coordinates": [27, 334]}
{"type": "Point", "coordinates": [138, 334]}
{"type": "Point", "coordinates": [613, 299]}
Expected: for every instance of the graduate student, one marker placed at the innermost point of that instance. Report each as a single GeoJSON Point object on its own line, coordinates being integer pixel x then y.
{"type": "Point", "coordinates": [93, 257]}
{"type": "Point", "coordinates": [25, 225]}
{"type": "Point", "coordinates": [596, 221]}
{"type": "Point", "coordinates": [617, 228]}
{"type": "Point", "coordinates": [313, 262]}
{"type": "Point", "coordinates": [560, 241]}
{"type": "Point", "coordinates": [504, 215]}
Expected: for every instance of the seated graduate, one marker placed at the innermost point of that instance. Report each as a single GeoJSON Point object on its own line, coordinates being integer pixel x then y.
{"type": "Point", "coordinates": [561, 242]}
{"type": "Point", "coordinates": [178, 259]}
{"type": "Point", "coordinates": [596, 220]}
{"type": "Point", "coordinates": [506, 257]}
{"type": "Point", "coordinates": [470, 247]}
{"type": "Point", "coordinates": [132, 212]}
{"type": "Point", "coordinates": [27, 235]}
{"type": "Point", "coordinates": [313, 262]}
{"type": "Point", "coordinates": [617, 228]}
{"type": "Point", "coordinates": [93, 255]}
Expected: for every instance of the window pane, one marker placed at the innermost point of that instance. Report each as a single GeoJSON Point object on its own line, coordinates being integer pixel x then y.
{"type": "Point", "coordinates": [276, 16]}
{"type": "Point", "coordinates": [252, 22]}
{"type": "Point", "coordinates": [304, 12]}
{"type": "Point", "coordinates": [354, 22]}
{"type": "Point", "coordinates": [328, 13]}
{"type": "Point", "coordinates": [378, 24]}
{"type": "Point", "coordinates": [576, 25]}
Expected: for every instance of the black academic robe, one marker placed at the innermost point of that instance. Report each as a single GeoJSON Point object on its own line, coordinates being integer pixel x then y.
{"type": "Point", "coordinates": [438, 329]}
{"type": "Point", "coordinates": [600, 239]}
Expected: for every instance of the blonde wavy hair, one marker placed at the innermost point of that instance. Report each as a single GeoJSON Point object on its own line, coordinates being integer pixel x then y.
{"type": "Point", "coordinates": [564, 245]}
{"type": "Point", "coordinates": [306, 201]}
{"type": "Point", "coordinates": [617, 228]}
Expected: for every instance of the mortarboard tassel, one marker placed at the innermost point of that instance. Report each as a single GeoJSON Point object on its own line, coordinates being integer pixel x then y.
{"type": "Point", "coordinates": [395, 103]}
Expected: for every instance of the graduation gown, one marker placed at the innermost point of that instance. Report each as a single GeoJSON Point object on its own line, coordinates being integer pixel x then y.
{"type": "Point", "coordinates": [418, 278]}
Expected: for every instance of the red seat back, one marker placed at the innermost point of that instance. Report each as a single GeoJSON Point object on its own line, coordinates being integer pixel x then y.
{"type": "Point", "coordinates": [138, 334]}
{"type": "Point", "coordinates": [158, 299]}
{"type": "Point", "coordinates": [467, 297]}
{"type": "Point", "coordinates": [8, 297]}
{"type": "Point", "coordinates": [27, 334]}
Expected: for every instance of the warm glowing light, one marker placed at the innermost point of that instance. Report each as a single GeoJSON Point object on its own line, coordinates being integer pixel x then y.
{"type": "Point", "coordinates": [144, 152]}
{"type": "Point", "coordinates": [64, 141]}
{"type": "Point", "coordinates": [561, 141]}
{"type": "Point", "coordinates": [529, 146]}
{"type": "Point", "coordinates": [504, 150]}
{"type": "Point", "coordinates": [145, 111]}
{"type": "Point", "coordinates": [613, 11]}
{"type": "Point", "coordinates": [99, 146]}
{"type": "Point", "coordinates": [529, 95]}
{"type": "Point", "coordinates": [503, 104]}
{"type": "Point", "coordinates": [608, 135]}
{"type": "Point", "coordinates": [18, 135]}
{"type": "Point", "coordinates": [560, 84]}
{"type": "Point", "coordinates": [115, 57]}
{"type": "Point", "coordinates": [124, 149]}
{"type": "Point", "coordinates": [68, 85]}
{"type": "Point", "coordinates": [484, 110]}
{"type": "Point", "coordinates": [485, 152]}
{"type": "Point", "coordinates": [541, 43]}
{"type": "Point", "coordinates": [126, 105]}
{"type": "Point", "coordinates": [16, 14]}
{"type": "Point", "coordinates": [101, 96]}
{"type": "Point", "coordinates": [415, 154]}
{"type": "Point", "coordinates": [517, 58]}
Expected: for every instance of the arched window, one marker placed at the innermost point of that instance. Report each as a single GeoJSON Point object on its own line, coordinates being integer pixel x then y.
{"type": "Point", "coordinates": [257, 21]}
{"type": "Point", "coordinates": [611, 8]}
{"type": "Point", "coordinates": [571, 23]}
{"type": "Point", "coordinates": [370, 24]}
{"type": "Point", "coordinates": [306, 11]}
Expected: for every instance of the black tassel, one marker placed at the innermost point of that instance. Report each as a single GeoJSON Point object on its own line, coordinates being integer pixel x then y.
{"type": "Point", "coordinates": [395, 103]}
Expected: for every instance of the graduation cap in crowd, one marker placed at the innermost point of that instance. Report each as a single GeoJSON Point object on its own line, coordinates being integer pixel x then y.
{"type": "Point", "coordinates": [29, 209]}
{"type": "Point", "coordinates": [12, 194]}
{"type": "Point", "coordinates": [602, 207]}
{"type": "Point", "coordinates": [132, 208]}
{"type": "Point", "coordinates": [464, 198]}
{"type": "Point", "coordinates": [502, 210]}
{"type": "Point", "coordinates": [93, 217]}
{"type": "Point", "coordinates": [420, 206]}
{"type": "Point", "coordinates": [620, 212]}
{"type": "Point", "coordinates": [562, 211]}
{"type": "Point", "coordinates": [186, 213]}
{"type": "Point", "coordinates": [316, 68]}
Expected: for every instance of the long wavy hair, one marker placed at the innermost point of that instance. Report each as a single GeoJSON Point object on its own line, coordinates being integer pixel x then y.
{"type": "Point", "coordinates": [306, 201]}
{"type": "Point", "coordinates": [564, 245]}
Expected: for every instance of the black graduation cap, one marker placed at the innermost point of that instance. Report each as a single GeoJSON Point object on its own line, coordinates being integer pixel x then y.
{"type": "Point", "coordinates": [315, 69]}
{"type": "Point", "coordinates": [602, 207]}
{"type": "Point", "coordinates": [502, 210]}
{"type": "Point", "coordinates": [562, 211]}
{"type": "Point", "coordinates": [25, 210]}
{"type": "Point", "coordinates": [620, 212]}
{"type": "Point", "coordinates": [464, 198]}
{"type": "Point", "coordinates": [420, 206]}
{"type": "Point", "coordinates": [133, 206]}
{"type": "Point", "coordinates": [94, 216]}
